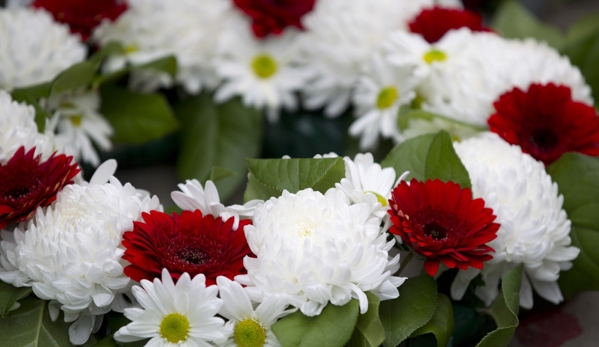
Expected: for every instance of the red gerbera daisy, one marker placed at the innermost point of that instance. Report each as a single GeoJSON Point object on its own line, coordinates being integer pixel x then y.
{"type": "Point", "coordinates": [546, 123]}
{"type": "Point", "coordinates": [26, 183]}
{"type": "Point", "coordinates": [443, 223]}
{"type": "Point", "coordinates": [435, 22]}
{"type": "Point", "coordinates": [82, 15]}
{"type": "Point", "coordinates": [189, 242]}
{"type": "Point", "coordinates": [272, 16]}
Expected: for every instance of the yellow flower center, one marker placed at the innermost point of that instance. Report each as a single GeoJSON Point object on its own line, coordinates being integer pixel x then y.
{"type": "Point", "coordinates": [434, 55]}
{"type": "Point", "coordinates": [387, 97]}
{"type": "Point", "coordinates": [131, 49]}
{"type": "Point", "coordinates": [174, 328]}
{"type": "Point", "coordinates": [264, 66]}
{"type": "Point", "coordinates": [379, 198]}
{"type": "Point", "coordinates": [249, 333]}
{"type": "Point", "coordinates": [76, 120]}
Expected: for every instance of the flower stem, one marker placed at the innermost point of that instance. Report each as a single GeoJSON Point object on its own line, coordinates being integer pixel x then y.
{"type": "Point", "coordinates": [404, 262]}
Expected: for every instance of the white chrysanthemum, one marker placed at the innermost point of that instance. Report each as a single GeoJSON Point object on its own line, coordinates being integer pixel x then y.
{"type": "Point", "coordinates": [249, 326]}
{"type": "Point", "coordinates": [263, 72]}
{"type": "Point", "coordinates": [187, 29]}
{"type": "Point", "coordinates": [366, 182]}
{"type": "Point", "coordinates": [314, 249]}
{"type": "Point", "coordinates": [195, 197]}
{"type": "Point", "coordinates": [70, 253]}
{"type": "Point", "coordinates": [182, 314]}
{"type": "Point", "coordinates": [33, 48]}
{"type": "Point", "coordinates": [79, 124]}
{"type": "Point", "coordinates": [534, 228]}
{"type": "Point", "coordinates": [378, 96]}
{"type": "Point", "coordinates": [18, 129]}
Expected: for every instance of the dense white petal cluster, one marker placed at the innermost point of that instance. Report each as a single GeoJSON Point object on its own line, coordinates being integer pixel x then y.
{"type": "Point", "coordinates": [18, 129]}
{"type": "Point", "coordinates": [314, 249]}
{"type": "Point", "coordinates": [534, 227]}
{"type": "Point", "coordinates": [70, 253]}
{"type": "Point", "coordinates": [34, 48]}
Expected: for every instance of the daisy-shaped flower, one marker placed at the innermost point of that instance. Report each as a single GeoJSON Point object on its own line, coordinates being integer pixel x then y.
{"type": "Point", "coordinates": [26, 183]}
{"type": "Point", "coordinates": [378, 96]}
{"type": "Point", "coordinates": [546, 123]}
{"type": "Point", "coordinates": [190, 243]}
{"type": "Point", "coordinates": [34, 48]}
{"type": "Point", "coordinates": [433, 23]}
{"type": "Point", "coordinates": [314, 249]}
{"type": "Point", "coordinates": [249, 326]}
{"type": "Point", "coordinates": [269, 17]}
{"type": "Point", "coordinates": [182, 314]}
{"type": "Point", "coordinates": [442, 222]}
{"type": "Point", "coordinates": [534, 228]}
{"type": "Point", "coordinates": [80, 126]}
{"type": "Point", "coordinates": [263, 72]}
{"type": "Point", "coordinates": [195, 197]}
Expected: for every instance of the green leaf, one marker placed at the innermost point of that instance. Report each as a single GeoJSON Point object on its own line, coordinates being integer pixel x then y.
{"type": "Point", "coordinates": [413, 309]}
{"type": "Point", "coordinates": [332, 328]}
{"type": "Point", "coordinates": [441, 325]}
{"type": "Point", "coordinates": [407, 114]}
{"type": "Point", "coordinates": [513, 20]}
{"type": "Point", "coordinates": [166, 64]}
{"type": "Point", "coordinates": [40, 114]}
{"type": "Point", "coordinates": [136, 118]}
{"type": "Point", "coordinates": [111, 48]}
{"type": "Point", "coordinates": [583, 28]}
{"type": "Point", "coordinates": [10, 294]}
{"type": "Point", "coordinates": [505, 310]}
{"type": "Point", "coordinates": [584, 53]}
{"type": "Point", "coordinates": [577, 177]}
{"type": "Point", "coordinates": [369, 331]}
{"type": "Point", "coordinates": [218, 173]}
{"type": "Point", "coordinates": [430, 156]}
{"type": "Point", "coordinates": [256, 190]}
{"type": "Point", "coordinates": [37, 92]}
{"type": "Point", "coordinates": [75, 77]}
{"type": "Point", "coordinates": [221, 135]}
{"type": "Point", "coordinates": [294, 175]}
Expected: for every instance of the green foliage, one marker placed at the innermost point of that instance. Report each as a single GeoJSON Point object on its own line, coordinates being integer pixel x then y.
{"type": "Point", "coordinates": [40, 114]}
{"type": "Point", "coordinates": [427, 157]}
{"type": "Point", "coordinates": [136, 118]}
{"type": "Point", "coordinates": [76, 77]}
{"type": "Point", "coordinates": [222, 135]}
{"type": "Point", "coordinates": [407, 114]}
{"type": "Point", "coordinates": [577, 177]}
{"type": "Point", "coordinates": [505, 310]}
{"type": "Point", "coordinates": [218, 173]}
{"type": "Point", "coordinates": [369, 331]}
{"type": "Point", "coordinates": [441, 324]}
{"type": "Point", "coordinates": [10, 294]}
{"type": "Point", "coordinates": [583, 51]}
{"type": "Point", "coordinates": [332, 328]}
{"type": "Point", "coordinates": [413, 309]}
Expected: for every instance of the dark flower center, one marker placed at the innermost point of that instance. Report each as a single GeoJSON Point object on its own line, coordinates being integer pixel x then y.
{"type": "Point", "coordinates": [435, 231]}
{"type": "Point", "coordinates": [17, 192]}
{"type": "Point", "coordinates": [192, 255]}
{"type": "Point", "coordinates": [545, 139]}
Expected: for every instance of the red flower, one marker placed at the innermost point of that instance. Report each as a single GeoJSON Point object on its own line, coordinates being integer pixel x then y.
{"type": "Point", "coordinates": [25, 183]}
{"type": "Point", "coordinates": [272, 16]}
{"type": "Point", "coordinates": [82, 15]}
{"type": "Point", "coordinates": [546, 123]}
{"type": "Point", "coordinates": [190, 243]}
{"type": "Point", "coordinates": [443, 223]}
{"type": "Point", "coordinates": [433, 23]}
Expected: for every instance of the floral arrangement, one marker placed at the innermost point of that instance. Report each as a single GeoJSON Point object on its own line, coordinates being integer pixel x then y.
{"type": "Point", "coordinates": [485, 204]}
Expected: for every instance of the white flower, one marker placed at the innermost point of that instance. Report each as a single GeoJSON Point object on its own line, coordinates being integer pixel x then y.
{"type": "Point", "coordinates": [263, 72]}
{"type": "Point", "coordinates": [18, 129]}
{"type": "Point", "coordinates": [195, 197]}
{"type": "Point", "coordinates": [534, 228]}
{"type": "Point", "coordinates": [70, 253]}
{"type": "Point", "coordinates": [187, 29]}
{"type": "Point", "coordinates": [79, 124]}
{"type": "Point", "coordinates": [313, 248]}
{"type": "Point", "coordinates": [366, 182]}
{"type": "Point", "coordinates": [182, 314]}
{"type": "Point", "coordinates": [33, 48]}
{"type": "Point", "coordinates": [378, 96]}
{"type": "Point", "coordinates": [249, 326]}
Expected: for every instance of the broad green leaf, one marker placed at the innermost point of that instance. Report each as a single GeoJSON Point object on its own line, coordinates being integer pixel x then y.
{"type": "Point", "coordinates": [369, 331]}
{"type": "Point", "coordinates": [296, 174]}
{"type": "Point", "coordinates": [75, 77]}
{"type": "Point", "coordinates": [441, 325]}
{"type": "Point", "coordinates": [223, 135]}
{"type": "Point", "coordinates": [413, 309]}
{"type": "Point", "coordinates": [111, 48]}
{"type": "Point", "coordinates": [10, 294]}
{"type": "Point", "coordinates": [407, 114]}
{"type": "Point", "coordinates": [505, 310]}
{"type": "Point", "coordinates": [218, 173]}
{"type": "Point", "coordinates": [332, 328]}
{"type": "Point", "coordinates": [36, 92]}
{"type": "Point", "coordinates": [513, 20]}
{"type": "Point", "coordinates": [577, 177]}
{"type": "Point", "coordinates": [166, 64]}
{"type": "Point", "coordinates": [256, 190]}
{"type": "Point", "coordinates": [136, 118]}
{"type": "Point", "coordinates": [584, 53]}
{"type": "Point", "coordinates": [583, 28]}
{"type": "Point", "coordinates": [427, 157]}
